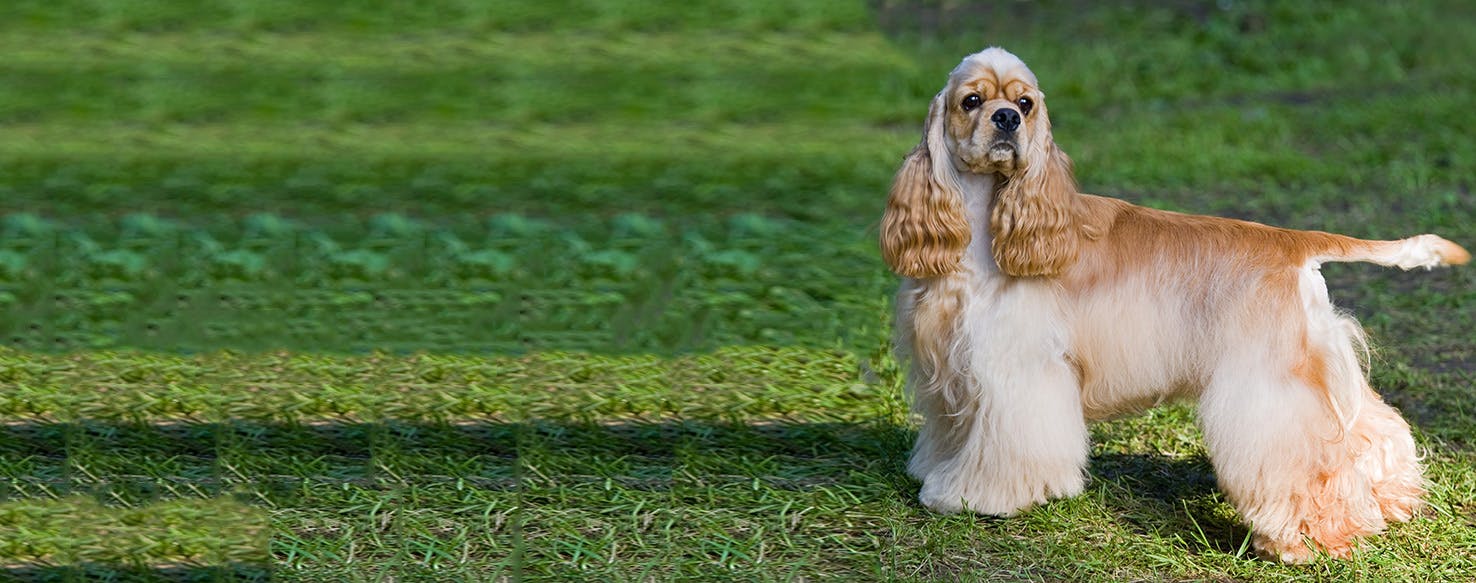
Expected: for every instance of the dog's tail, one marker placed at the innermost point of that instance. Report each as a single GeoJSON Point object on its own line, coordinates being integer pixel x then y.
{"type": "Point", "coordinates": [1427, 251]}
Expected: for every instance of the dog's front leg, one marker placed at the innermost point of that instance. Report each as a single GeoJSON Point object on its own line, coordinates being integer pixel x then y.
{"type": "Point", "coordinates": [1016, 437]}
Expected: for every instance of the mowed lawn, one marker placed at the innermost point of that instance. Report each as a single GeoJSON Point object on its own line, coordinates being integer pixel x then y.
{"type": "Point", "coordinates": [585, 291]}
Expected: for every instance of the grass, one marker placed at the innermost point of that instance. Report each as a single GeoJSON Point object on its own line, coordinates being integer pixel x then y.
{"type": "Point", "coordinates": [226, 116]}
{"type": "Point", "coordinates": [78, 530]}
{"type": "Point", "coordinates": [589, 290]}
{"type": "Point", "coordinates": [747, 462]}
{"type": "Point", "coordinates": [394, 282]}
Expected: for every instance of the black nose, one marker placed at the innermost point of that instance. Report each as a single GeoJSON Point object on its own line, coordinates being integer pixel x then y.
{"type": "Point", "coordinates": [1006, 119]}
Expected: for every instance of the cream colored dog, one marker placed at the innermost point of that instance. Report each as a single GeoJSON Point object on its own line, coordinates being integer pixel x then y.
{"type": "Point", "coordinates": [1029, 309]}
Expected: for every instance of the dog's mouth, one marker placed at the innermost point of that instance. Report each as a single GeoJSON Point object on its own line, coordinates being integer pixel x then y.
{"type": "Point", "coordinates": [1001, 155]}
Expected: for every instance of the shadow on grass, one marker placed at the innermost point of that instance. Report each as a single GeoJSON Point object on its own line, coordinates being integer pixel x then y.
{"type": "Point", "coordinates": [1167, 497]}
{"type": "Point", "coordinates": [283, 462]}
{"type": "Point", "coordinates": [138, 462]}
{"type": "Point", "coordinates": [288, 463]}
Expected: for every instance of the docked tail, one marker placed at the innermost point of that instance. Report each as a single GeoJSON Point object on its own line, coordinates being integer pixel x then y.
{"type": "Point", "coordinates": [1427, 251]}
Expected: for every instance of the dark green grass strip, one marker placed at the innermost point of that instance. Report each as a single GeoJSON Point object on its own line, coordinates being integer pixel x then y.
{"type": "Point", "coordinates": [808, 171]}
{"type": "Point", "coordinates": [506, 284]}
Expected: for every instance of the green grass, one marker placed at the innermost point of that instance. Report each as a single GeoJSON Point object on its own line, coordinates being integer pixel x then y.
{"type": "Point", "coordinates": [577, 117]}
{"type": "Point", "coordinates": [748, 462]}
{"type": "Point", "coordinates": [556, 291]}
{"type": "Point", "coordinates": [78, 530]}
{"type": "Point", "coordinates": [508, 283]}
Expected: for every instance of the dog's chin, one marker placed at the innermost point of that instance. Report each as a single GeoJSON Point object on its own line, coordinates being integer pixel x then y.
{"type": "Point", "coordinates": [1001, 157]}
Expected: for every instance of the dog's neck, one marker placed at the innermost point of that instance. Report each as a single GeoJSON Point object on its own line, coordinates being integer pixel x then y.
{"type": "Point", "coordinates": [978, 192]}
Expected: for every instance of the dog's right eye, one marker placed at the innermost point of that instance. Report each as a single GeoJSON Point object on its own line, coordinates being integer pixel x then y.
{"type": "Point", "coordinates": [972, 102]}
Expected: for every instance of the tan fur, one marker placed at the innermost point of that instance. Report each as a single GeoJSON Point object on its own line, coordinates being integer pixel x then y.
{"type": "Point", "coordinates": [1311, 369]}
{"type": "Point", "coordinates": [924, 231]}
{"type": "Point", "coordinates": [933, 340]}
{"type": "Point", "coordinates": [935, 325]}
{"type": "Point", "coordinates": [1453, 254]}
{"type": "Point", "coordinates": [1032, 307]}
{"type": "Point", "coordinates": [1034, 221]}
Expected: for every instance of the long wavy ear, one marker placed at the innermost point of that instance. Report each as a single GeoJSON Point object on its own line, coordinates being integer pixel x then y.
{"type": "Point", "coordinates": [1033, 222]}
{"type": "Point", "coordinates": [925, 230]}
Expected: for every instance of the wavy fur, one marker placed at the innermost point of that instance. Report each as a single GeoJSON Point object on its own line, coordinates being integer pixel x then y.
{"type": "Point", "coordinates": [924, 232]}
{"type": "Point", "coordinates": [1033, 224]}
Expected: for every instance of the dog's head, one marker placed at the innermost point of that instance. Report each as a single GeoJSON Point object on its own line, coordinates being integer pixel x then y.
{"type": "Point", "coordinates": [990, 119]}
{"type": "Point", "coordinates": [996, 114]}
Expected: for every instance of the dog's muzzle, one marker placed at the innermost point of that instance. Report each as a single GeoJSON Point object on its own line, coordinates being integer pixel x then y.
{"type": "Point", "coordinates": [1001, 157]}
{"type": "Point", "coordinates": [1002, 154]}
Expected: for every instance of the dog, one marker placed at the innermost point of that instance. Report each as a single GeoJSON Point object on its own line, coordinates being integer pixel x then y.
{"type": "Point", "coordinates": [1028, 309]}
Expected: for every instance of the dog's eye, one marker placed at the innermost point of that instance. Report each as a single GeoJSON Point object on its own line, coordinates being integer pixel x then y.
{"type": "Point", "coordinates": [1025, 104]}
{"type": "Point", "coordinates": [972, 102]}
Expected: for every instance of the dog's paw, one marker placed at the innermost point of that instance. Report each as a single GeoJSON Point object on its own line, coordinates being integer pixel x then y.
{"type": "Point", "coordinates": [954, 500]}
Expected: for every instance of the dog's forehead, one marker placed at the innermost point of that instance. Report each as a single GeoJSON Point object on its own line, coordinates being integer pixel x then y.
{"type": "Point", "coordinates": [995, 66]}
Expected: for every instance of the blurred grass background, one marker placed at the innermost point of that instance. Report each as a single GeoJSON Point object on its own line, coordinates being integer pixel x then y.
{"type": "Point", "coordinates": [572, 290]}
{"type": "Point", "coordinates": [620, 177]}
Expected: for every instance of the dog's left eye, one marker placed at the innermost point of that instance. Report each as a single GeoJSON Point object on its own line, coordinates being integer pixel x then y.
{"type": "Point", "coordinates": [1025, 104]}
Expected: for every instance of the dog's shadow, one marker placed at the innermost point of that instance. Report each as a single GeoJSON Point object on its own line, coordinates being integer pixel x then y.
{"type": "Point", "coordinates": [1151, 494]}
{"type": "Point", "coordinates": [1154, 495]}
{"type": "Point", "coordinates": [1169, 497]}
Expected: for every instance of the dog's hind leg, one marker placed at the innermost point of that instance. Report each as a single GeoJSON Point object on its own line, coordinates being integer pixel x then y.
{"type": "Point", "coordinates": [1390, 460]}
{"type": "Point", "coordinates": [1307, 453]}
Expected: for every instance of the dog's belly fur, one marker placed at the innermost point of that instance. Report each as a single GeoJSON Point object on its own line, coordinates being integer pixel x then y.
{"type": "Point", "coordinates": [1133, 350]}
